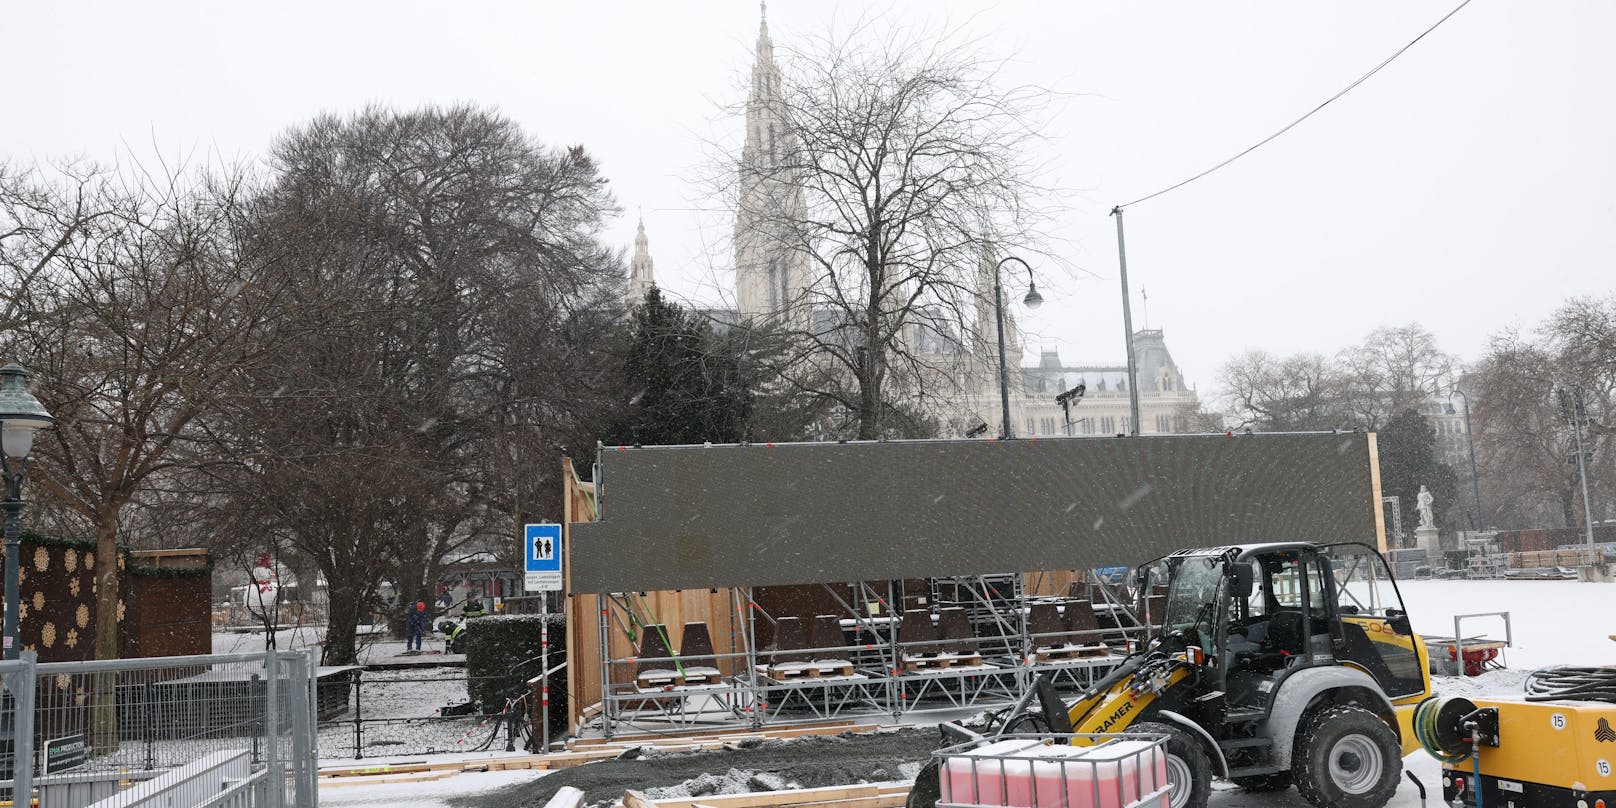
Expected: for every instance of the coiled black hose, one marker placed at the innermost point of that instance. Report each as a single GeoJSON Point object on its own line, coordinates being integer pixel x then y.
{"type": "Point", "coordinates": [1570, 682]}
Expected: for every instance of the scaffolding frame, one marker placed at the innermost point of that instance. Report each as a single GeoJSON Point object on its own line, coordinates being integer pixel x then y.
{"type": "Point", "coordinates": [881, 673]}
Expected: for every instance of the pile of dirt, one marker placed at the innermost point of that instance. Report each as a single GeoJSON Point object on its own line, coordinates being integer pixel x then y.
{"type": "Point", "coordinates": [807, 762]}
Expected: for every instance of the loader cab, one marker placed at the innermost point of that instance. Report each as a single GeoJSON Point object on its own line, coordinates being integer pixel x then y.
{"type": "Point", "coordinates": [1259, 613]}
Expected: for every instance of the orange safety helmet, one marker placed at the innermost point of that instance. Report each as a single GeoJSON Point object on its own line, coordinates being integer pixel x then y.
{"type": "Point", "coordinates": [420, 605]}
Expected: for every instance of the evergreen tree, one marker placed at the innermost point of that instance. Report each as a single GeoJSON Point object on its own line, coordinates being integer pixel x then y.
{"type": "Point", "coordinates": [684, 380]}
{"type": "Point", "coordinates": [1408, 460]}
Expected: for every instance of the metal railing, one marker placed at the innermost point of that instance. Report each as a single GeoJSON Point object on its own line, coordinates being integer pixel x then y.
{"type": "Point", "coordinates": [105, 730]}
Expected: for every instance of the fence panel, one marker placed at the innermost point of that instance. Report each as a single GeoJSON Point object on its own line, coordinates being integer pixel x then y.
{"type": "Point", "coordinates": [94, 725]}
{"type": "Point", "coordinates": [16, 726]}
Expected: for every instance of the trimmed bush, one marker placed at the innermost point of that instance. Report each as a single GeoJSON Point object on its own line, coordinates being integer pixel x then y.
{"type": "Point", "coordinates": [502, 653]}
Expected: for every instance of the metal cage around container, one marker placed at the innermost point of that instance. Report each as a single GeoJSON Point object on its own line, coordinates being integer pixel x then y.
{"type": "Point", "coordinates": [1127, 770]}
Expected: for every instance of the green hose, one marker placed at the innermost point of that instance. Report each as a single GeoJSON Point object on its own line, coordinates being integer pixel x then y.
{"type": "Point", "coordinates": [1425, 731]}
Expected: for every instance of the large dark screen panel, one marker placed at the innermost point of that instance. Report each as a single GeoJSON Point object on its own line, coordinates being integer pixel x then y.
{"type": "Point", "coordinates": [688, 517]}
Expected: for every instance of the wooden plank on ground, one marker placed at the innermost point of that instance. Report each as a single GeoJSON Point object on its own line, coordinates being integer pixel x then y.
{"type": "Point", "coordinates": [879, 801]}
{"type": "Point", "coordinates": [637, 799]}
{"type": "Point", "coordinates": [828, 795]}
{"type": "Point", "coordinates": [567, 797]}
{"type": "Point", "coordinates": [823, 728]}
{"type": "Point", "coordinates": [388, 780]}
{"type": "Point", "coordinates": [554, 760]}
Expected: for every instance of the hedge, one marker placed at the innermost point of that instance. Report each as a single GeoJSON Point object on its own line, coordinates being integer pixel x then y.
{"type": "Point", "coordinates": [502, 653]}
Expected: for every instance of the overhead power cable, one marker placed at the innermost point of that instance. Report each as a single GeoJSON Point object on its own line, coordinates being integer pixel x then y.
{"type": "Point", "coordinates": [1265, 141]}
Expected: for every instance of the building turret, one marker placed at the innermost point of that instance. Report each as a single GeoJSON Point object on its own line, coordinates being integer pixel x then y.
{"type": "Point", "coordinates": [640, 279]}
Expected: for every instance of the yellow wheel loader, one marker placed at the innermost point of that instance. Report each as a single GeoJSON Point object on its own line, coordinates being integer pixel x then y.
{"type": "Point", "coordinates": [1270, 665]}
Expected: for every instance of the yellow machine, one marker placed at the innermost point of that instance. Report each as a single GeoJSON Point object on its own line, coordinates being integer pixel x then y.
{"type": "Point", "coordinates": [1270, 665]}
{"type": "Point", "coordinates": [1555, 747]}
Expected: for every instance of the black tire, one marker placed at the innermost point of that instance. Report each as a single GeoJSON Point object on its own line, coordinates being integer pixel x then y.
{"type": "Point", "coordinates": [928, 787]}
{"type": "Point", "coordinates": [1026, 724]}
{"type": "Point", "coordinates": [1261, 783]}
{"type": "Point", "coordinates": [1346, 757]}
{"type": "Point", "coordinates": [1186, 759]}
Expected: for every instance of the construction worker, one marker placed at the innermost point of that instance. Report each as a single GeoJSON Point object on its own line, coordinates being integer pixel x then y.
{"type": "Point", "coordinates": [415, 628]}
{"type": "Point", "coordinates": [474, 608]}
{"type": "Point", "coordinates": [454, 637]}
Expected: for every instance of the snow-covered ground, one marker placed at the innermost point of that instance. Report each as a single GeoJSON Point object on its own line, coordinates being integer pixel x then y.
{"type": "Point", "coordinates": [1554, 622]}
{"type": "Point", "coordinates": [427, 794]}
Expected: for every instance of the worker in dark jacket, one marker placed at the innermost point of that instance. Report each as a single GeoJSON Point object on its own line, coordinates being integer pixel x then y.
{"type": "Point", "coordinates": [415, 627]}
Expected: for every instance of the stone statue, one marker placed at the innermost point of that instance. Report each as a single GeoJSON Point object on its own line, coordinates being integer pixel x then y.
{"type": "Point", "coordinates": [1423, 502]}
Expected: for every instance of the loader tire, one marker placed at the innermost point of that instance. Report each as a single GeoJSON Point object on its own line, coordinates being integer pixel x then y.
{"type": "Point", "coordinates": [1346, 757]}
{"type": "Point", "coordinates": [1189, 770]}
{"type": "Point", "coordinates": [927, 790]}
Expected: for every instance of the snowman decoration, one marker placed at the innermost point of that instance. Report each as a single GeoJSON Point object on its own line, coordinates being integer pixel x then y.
{"type": "Point", "coordinates": [264, 591]}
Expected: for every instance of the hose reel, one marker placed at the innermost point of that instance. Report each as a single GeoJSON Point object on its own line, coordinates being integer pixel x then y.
{"type": "Point", "coordinates": [1449, 728]}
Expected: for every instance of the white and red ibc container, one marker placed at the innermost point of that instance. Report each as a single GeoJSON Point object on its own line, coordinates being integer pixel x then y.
{"type": "Point", "coordinates": [1024, 771]}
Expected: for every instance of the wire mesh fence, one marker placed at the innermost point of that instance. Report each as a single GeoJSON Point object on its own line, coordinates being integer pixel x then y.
{"type": "Point", "coordinates": [421, 712]}
{"type": "Point", "coordinates": [118, 729]}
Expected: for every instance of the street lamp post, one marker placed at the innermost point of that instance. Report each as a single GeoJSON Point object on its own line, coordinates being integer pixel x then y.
{"type": "Point", "coordinates": [1032, 301]}
{"type": "Point", "coordinates": [1127, 327]}
{"type": "Point", "coordinates": [21, 415]}
{"type": "Point", "coordinates": [1475, 481]}
{"type": "Point", "coordinates": [1571, 406]}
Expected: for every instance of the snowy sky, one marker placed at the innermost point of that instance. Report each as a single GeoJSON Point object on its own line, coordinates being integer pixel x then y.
{"type": "Point", "coordinates": [1468, 186]}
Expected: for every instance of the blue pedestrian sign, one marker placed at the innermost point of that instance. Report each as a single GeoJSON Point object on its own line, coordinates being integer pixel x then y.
{"type": "Point", "coordinates": [541, 552]}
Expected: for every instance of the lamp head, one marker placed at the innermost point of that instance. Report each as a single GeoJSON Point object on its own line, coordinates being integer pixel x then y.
{"type": "Point", "coordinates": [20, 413]}
{"type": "Point", "coordinates": [1033, 300]}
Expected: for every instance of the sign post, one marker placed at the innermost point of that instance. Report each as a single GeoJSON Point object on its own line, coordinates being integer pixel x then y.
{"type": "Point", "coordinates": [541, 551]}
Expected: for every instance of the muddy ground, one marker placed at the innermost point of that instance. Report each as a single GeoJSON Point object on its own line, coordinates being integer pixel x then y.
{"type": "Point", "coordinates": [809, 762]}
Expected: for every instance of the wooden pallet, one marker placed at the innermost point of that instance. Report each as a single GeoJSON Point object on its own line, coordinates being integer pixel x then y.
{"type": "Point", "coordinates": [832, 667]}
{"type": "Point", "coordinates": [940, 662]}
{"type": "Point", "coordinates": [659, 680]}
{"type": "Point", "coordinates": [801, 671]}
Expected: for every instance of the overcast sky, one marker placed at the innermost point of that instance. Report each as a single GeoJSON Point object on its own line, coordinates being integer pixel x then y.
{"type": "Point", "coordinates": [1468, 186]}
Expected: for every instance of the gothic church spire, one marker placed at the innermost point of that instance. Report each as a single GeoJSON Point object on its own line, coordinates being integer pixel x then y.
{"type": "Point", "coordinates": [771, 274]}
{"type": "Point", "coordinates": [640, 279]}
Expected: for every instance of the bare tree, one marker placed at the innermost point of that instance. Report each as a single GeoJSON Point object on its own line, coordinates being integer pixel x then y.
{"type": "Point", "coordinates": [1283, 394]}
{"type": "Point", "coordinates": [882, 168]}
{"type": "Point", "coordinates": [448, 327]}
{"type": "Point", "coordinates": [1393, 370]}
{"type": "Point", "coordinates": [1524, 443]}
{"type": "Point", "coordinates": [136, 315]}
